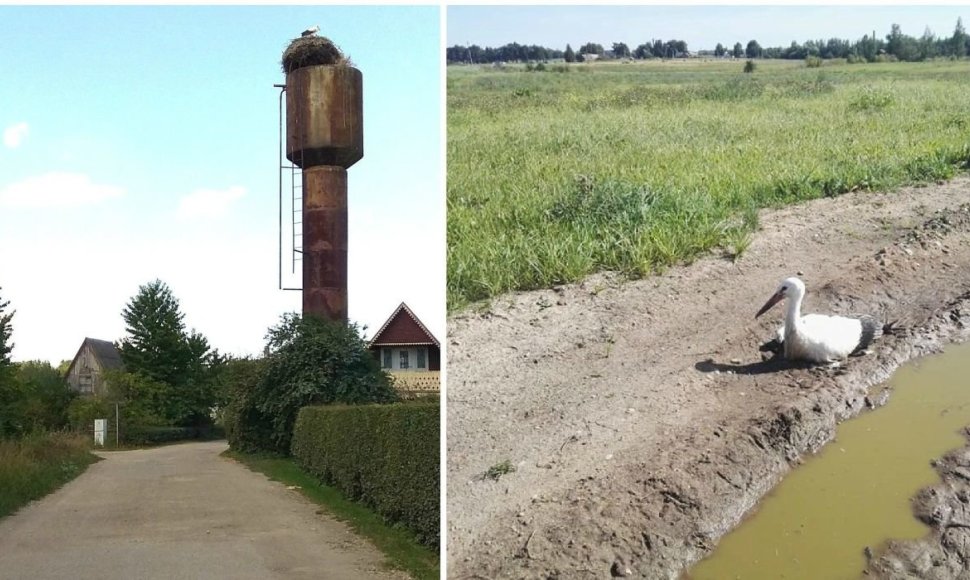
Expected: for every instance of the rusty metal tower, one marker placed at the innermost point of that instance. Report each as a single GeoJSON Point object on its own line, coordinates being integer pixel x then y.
{"type": "Point", "coordinates": [324, 137]}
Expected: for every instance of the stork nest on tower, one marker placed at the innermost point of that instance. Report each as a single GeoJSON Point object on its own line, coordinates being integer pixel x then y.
{"type": "Point", "coordinates": [312, 51]}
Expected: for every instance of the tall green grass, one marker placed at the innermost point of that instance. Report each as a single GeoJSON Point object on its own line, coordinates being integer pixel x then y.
{"type": "Point", "coordinates": [36, 465]}
{"type": "Point", "coordinates": [635, 167]}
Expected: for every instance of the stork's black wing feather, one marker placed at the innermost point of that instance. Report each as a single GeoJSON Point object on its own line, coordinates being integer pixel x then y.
{"type": "Point", "coordinates": [870, 328]}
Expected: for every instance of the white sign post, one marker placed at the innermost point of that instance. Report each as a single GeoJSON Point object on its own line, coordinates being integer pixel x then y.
{"type": "Point", "coordinates": [100, 429]}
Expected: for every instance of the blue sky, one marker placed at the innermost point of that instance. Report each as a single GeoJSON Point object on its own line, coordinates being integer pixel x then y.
{"type": "Point", "coordinates": [701, 26]}
{"type": "Point", "coordinates": [142, 142]}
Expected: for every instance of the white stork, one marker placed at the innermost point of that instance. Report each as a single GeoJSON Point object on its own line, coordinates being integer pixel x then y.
{"type": "Point", "coordinates": [818, 338]}
{"type": "Point", "coordinates": [311, 31]}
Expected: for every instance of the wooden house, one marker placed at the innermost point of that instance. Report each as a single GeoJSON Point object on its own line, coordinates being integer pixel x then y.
{"type": "Point", "coordinates": [86, 373]}
{"type": "Point", "coordinates": [408, 351]}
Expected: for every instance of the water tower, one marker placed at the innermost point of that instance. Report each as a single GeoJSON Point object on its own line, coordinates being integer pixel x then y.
{"type": "Point", "coordinates": [324, 137]}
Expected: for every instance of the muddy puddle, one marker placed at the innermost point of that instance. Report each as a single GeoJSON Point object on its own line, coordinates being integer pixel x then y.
{"type": "Point", "coordinates": [818, 522]}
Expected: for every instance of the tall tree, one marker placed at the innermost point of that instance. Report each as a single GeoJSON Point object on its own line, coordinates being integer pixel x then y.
{"type": "Point", "coordinates": [753, 49]}
{"type": "Point", "coordinates": [927, 44]}
{"type": "Point", "coordinates": [959, 40]}
{"type": "Point", "coordinates": [6, 331]}
{"type": "Point", "coordinates": [894, 40]}
{"type": "Point", "coordinates": [868, 48]}
{"type": "Point", "coordinates": [8, 388]}
{"type": "Point", "coordinates": [569, 55]}
{"type": "Point", "coordinates": [621, 50]}
{"type": "Point", "coordinates": [156, 345]}
{"type": "Point", "coordinates": [738, 51]}
{"type": "Point", "coordinates": [901, 46]}
{"type": "Point", "coordinates": [173, 362]}
{"type": "Point", "coordinates": [794, 51]}
{"type": "Point", "coordinates": [719, 50]}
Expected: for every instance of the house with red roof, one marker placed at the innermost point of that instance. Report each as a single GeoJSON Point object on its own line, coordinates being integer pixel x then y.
{"type": "Point", "coordinates": [407, 350]}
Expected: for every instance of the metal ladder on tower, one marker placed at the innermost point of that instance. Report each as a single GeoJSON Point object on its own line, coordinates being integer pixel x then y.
{"type": "Point", "coordinates": [296, 223]}
{"type": "Point", "coordinates": [294, 173]}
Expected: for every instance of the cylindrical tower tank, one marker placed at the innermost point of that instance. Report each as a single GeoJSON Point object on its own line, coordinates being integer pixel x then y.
{"type": "Point", "coordinates": [324, 136]}
{"type": "Point", "coordinates": [324, 116]}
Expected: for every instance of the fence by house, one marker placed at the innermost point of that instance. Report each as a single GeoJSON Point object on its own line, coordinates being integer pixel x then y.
{"type": "Point", "coordinates": [417, 381]}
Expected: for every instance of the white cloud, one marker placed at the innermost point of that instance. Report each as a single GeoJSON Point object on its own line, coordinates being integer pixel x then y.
{"type": "Point", "coordinates": [14, 135]}
{"type": "Point", "coordinates": [57, 190]}
{"type": "Point", "coordinates": [208, 203]}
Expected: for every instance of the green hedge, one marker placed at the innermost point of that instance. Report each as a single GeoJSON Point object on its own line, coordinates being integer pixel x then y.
{"type": "Point", "coordinates": [384, 456]}
{"type": "Point", "coordinates": [157, 435]}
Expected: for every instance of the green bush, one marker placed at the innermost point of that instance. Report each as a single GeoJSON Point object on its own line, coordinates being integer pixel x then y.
{"type": "Point", "coordinates": [137, 428]}
{"type": "Point", "coordinates": [242, 378]}
{"type": "Point", "coordinates": [82, 412]}
{"type": "Point", "coordinates": [142, 399]}
{"type": "Point", "coordinates": [872, 99]}
{"type": "Point", "coordinates": [158, 435]}
{"type": "Point", "coordinates": [813, 62]}
{"type": "Point", "coordinates": [749, 66]}
{"type": "Point", "coordinates": [310, 361]}
{"type": "Point", "coordinates": [33, 397]}
{"type": "Point", "coordinates": [384, 456]}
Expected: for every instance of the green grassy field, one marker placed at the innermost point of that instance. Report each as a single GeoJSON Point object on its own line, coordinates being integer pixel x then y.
{"type": "Point", "coordinates": [633, 167]}
{"type": "Point", "coordinates": [36, 465]}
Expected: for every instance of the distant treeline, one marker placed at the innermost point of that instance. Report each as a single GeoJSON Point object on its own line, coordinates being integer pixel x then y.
{"type": "Point", "coordinates": [512, 52]}
{"type": "Point", "coordinates": [895, 46]}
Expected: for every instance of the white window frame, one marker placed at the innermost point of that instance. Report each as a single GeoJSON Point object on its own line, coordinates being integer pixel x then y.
{"type": "Point", "coordinates": [387, 359]}
{"type": "Point", "coordinates": [421, 358]}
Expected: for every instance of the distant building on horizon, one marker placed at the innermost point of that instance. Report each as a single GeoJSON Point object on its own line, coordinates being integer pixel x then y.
{"type": "Point", "coordinates": [86, 373]}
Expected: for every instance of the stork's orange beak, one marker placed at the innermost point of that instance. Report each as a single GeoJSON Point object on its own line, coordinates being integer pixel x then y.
{"type": "Point", "coordinates": [771, 302]}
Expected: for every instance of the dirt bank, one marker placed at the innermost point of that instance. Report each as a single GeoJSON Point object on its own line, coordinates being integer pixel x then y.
{"type": "Point", "coordinates": [639, 417]}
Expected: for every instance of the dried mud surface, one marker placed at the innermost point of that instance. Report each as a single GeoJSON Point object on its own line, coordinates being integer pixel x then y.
{"type": "Point", "coordinates": [640, 419]}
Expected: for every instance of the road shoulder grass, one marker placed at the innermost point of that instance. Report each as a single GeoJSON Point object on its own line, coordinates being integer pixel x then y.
{"type": "Point", "coordinates": [37, 465]}
{"type": "Point", "coordinates": [402, 550]}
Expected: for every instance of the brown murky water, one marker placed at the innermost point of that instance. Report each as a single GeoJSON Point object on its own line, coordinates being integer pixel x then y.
{"type": "Point", "coordinates": [855, 493]}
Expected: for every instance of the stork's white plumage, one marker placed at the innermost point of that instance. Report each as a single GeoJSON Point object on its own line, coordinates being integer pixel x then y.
{"type": "Point", "coordinates": [817, 337]}
{"type": "Point", "coordinates": [311, 31]}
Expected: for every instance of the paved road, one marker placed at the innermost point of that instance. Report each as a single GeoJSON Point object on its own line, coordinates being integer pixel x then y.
{"type": "Point", "coordinates": [176, 512]}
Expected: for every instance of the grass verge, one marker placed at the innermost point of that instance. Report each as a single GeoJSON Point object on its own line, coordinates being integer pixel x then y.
{"type": "Point", "coordinates": [36, 465]}
{"type": "Point", "coordinates": [399, 545]}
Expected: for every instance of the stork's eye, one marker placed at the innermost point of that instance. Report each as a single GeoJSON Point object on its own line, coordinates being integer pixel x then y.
{"type": "Point", "coordinates": [784, 288]}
